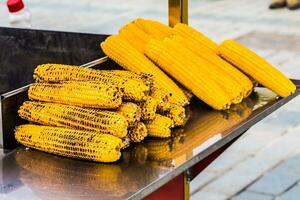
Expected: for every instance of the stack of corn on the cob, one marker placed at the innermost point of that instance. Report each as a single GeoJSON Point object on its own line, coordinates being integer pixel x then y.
{"type": "Point", "coordinates": [219, 75]}
{"type": "Point", "coordinates": [93, 114]}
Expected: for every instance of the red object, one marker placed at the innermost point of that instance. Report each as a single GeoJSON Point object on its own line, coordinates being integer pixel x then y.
{"type": "Point", "coordinates": [173, 190]}
{"type": "Point", "coordinates": [15, 5]}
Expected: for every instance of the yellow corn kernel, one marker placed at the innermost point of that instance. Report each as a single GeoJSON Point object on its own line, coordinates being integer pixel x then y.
{"type": "Point", "coordinates": [135, 36]}
{"type": "Point", "coordinates": [138, 133]}
{"type": "Point", "coordinates": [195, 36]}
{"type": "Point", "coordinates": [159, 126]}
{"type": "Point", "coordinates": [70, 143]}
{"type": "Point", "coordinates": [131, 111]}
{"type": "Point", "coordinates": [148, 108]}
{"type": "Point", "coordinates": [85, 94]}
{"type": "Point", "coordinates": [219, 63]}
{"type": "Point", "coordinates": [256, 67]}
{"type": "Point", "coordinates": [134, 89]}
{"type": "Point", "coordinates": [190, 76]}
{"type": "Point", "coordinates": [154, 28]}
{"type": "Point", "coordinates": [128, 57]}
{"type": "Point", "coordinates": [60, 115]}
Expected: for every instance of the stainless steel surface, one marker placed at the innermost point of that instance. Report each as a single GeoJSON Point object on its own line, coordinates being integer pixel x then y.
{"type": "Point", "coordinates": [144, 167]}
{"type": "Point", "coordinates": [178, 12]}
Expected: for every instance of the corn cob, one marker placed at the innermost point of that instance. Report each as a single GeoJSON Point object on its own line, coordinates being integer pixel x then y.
{"type": "Point", "coordinates": [70, 143]}
{"type": "Point", "coordinates": [256, 67]}
{"type": "Point", "coordinates": [161, 95]}
{"type": "Point", "coordinates": [159, 126]}
{"type": "Point", "coordinates": [125, 55]}
{"type": "Point", "coordinates": [219, 63]}
{"type": "Point", "coordinates": [189, 76]}
{"type": "Point", "coordinates": [139, 76]}
{"type": "Point", "coordinates": [85, 94]}
{"type": "Point", "coordinates": [134, 35]}
{"type": "Point", "coordinates": [177, 114]}
{"type": "Point", "coordinates": [148, 108]}
{"type": "Point", "coordinates": [132, 113]}
{"type": "Point", "coordinates": [138, 133]}
{"type": "Point", "coordinates": [134, 90]}
{"type": "Point", "coordinates": [198, 39]}
{"type": "Point", "coordinates": [227, 83]}
{"type": "Point", "coordinates": [52, 114]}
{"type": "Point", "coordinates": [155, 29]}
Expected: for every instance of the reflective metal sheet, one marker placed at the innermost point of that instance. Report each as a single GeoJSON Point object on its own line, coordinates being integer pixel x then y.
{"type": "Point", "coordinates": [144, 167]}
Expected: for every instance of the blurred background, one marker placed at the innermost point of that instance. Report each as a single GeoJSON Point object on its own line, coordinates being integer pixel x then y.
{"type": "Point", "coordinates": [264, 163]}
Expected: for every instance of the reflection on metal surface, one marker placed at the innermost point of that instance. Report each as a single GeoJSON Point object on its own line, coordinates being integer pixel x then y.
{"type": "Point", "coordinates": [178, 12]}
{"type": "Point", "coordinates": [144, 167]}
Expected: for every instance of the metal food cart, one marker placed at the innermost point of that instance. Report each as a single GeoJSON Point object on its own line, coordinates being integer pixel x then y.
{"type": "Point", "coordinates": [153, 169]}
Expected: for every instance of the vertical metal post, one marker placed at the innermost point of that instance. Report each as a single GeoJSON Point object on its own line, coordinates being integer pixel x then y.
{"type": "Point", "coordinates": [178, 12]}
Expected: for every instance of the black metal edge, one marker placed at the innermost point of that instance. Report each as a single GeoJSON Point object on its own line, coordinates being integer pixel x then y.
{"type": "Point", "coordinates": [49, 31]}
{"type": "Point", "coordinates": [239, 130]}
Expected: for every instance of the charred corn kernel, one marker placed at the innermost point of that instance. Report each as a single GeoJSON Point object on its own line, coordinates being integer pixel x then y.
{"type": "Point", "coordinates": [128, 57]}
{"type": "Point", "coordinates": [219, 64]}
{"type": "Point", "coordinates": [195, 36]}
{"type": "Point", "coordinates": [227, 83]}
{"type": "Point", "coordinates": [190, 76]}
{"type": "Point", "coordinates": [85, 94]}
{"type": "Point", "coordinates": [161, 95]}
{"type": "Point", "coordinates": [134, 35]}
{"type": "Point", "coordinates": [70, 143]}
{"type": "Point", "coordinates": [159, 126]}
{"type": "Point", "coordinates": [155, 29]}
{"type": "Point", "coordinates": [126, 142]}
{"type": "Point", "coordinates": [133, 90]}
{"type": "Point", "coordinates": [138, 132]}
{"type": "Point", "coordinates": [139, 76]}
{"type": "Point", "coordinates": [177, 114]}
{"type": "Point", "coordinates": [52, 114]}
{"type": "Point", "coordinates": [148, 108]}
{"type": "Point", "coordinates": [131, 111]}
{"type": "Point", "coordinates": [256, 67]}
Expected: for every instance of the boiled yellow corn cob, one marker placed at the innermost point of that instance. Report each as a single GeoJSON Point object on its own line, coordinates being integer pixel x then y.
{"type": "Point", "coordinates": [85, 94]}
{"type": "Point", "coordinates": [195, 36]}
{"type": "Point", "coordinates": [138, 132]}
{"type": "Point", "coordinates": [128, 57]}
{"type": "Point", "coordinates": [134, 90]}
{"type": "Point", "coordinates": [70, 143]}
{"type": "Point", "coordinates": [159, 126]}
{"type": "Point", "coordinates": [154, 28]}
{"type": "Point", "coordinates": [52, 114]}
{"type": "Point", "coordinates": [225, 81]}
{"type": "Point", "coordinates": [218, 63]}
{"type": "Point", "coordinates": [148, 108]}
{"type": "Point", "coordinates": [132, 113]}
{"type": "Point", "coordinates": [136, 36]}
{"type": "Point", "coordinates": [256, 67]}
{"type": "Point", "coordinates": [190, 76]}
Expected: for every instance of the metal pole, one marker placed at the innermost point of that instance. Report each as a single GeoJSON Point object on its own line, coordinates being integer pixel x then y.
{"type": "Point", "coordinates": [178, 12]}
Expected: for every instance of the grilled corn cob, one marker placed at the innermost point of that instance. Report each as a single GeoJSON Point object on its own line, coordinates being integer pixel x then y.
{"type": "Point", "coordinates": [195, 36]}
{"type": "Point", "coordinates": [148, 108]}
{"type": "Point", "coordinates": [132, 113]}
{"type": "Point", "coordinates": [177, 114]}
{"type": "Point", "coordinates": [85, 94]}
{"type": "Point", "coordinates": [52, 114]}
{"type": "Point", "coordinates": [161, 95]}
{"type": "Point", "coordinates": [154, 28]}
{"type": "Point", "coordinates": [138, 133]}
{"type": "Point", "coordinates": [189, 76]}
{"type": "Point", "coordinates": [218, 63]}
{"type": "Point", "coordinates": [159, 126]}
{"type": "Point", "coordinates": [136, 36]}
{"type": "Point", "coordinates": [70, 143]}
{"type": "Point", "coordinates": [133, 90]}
{"type": "Point", "coordinates": [227, 83]}
{"type": "Point", "coordinates": [256, 67]}
{"type": "Point", "coordinates": [128, 57]}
